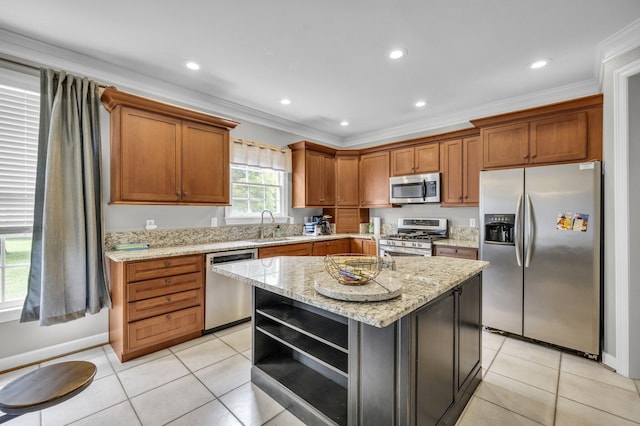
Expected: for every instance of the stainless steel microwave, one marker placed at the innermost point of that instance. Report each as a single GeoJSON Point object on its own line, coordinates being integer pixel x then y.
{"type": "Point", "coordinates": [415, 189]}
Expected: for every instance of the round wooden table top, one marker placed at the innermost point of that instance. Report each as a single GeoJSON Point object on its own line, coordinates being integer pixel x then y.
{"type": "Point", "coordinates": [46, 386]}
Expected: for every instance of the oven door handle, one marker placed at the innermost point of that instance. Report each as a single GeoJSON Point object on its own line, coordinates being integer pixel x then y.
{"type": "Point", "coordinates": [424, 190]}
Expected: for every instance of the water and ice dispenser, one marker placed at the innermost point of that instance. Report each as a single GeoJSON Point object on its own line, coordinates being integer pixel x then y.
{"type": "Point", "coordinates": [499, 228]}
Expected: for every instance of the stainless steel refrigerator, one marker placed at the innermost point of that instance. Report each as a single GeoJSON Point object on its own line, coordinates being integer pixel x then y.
{"type": "Point", "coordinates": [541, 232]}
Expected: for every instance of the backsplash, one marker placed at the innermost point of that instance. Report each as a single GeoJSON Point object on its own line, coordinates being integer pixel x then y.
{"type": "Point", "coordinates": [190, 236]}
{"type": "Point", "coordinates": [463, 233]}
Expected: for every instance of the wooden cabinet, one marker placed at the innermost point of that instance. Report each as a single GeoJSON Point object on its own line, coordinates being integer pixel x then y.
{"type": "Point", "coordinates": [164, 154]}
{"type": "Point", "coordinates": [347, 180]}
{"type": "Point", "coordinates": [459, 252]}
{"type": "Point", "coordinates": [564, 132]}
{"type": "Point", "coordinates": [298, 249]}
{"type": "Point", "coordinates": [313, 178]}
{"type": "Point", "coordinates": [461, 172]}
{"type": "Point", "coordinates": [156, 304]}
{"type": "Point", "coordinates": [348, 220]}
{"type": "Point", "coordinates": [415, 159]}
{"type": "Point", "coordinates": [364, 246]}
{"type": "Point", "coordinates": [322, 248]}
{"type": "Point", "coordinates": [374, 179]}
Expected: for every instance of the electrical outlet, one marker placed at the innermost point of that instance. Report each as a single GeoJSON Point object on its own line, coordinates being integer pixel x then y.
{"type": "Point", "coordinates": [214, 221]}
{"type": "Point", "coordinates": [151, 225]}
{"type": "Point", "coordinates": [472, 222]}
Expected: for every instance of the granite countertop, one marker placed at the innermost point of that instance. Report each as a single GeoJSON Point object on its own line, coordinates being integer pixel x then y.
{"type": "Point", "coordinates": [456, 243]}
{"type": "Point", "coordinates": [151, 253]}
{"type": "Point", "coordinates": [423, 279]}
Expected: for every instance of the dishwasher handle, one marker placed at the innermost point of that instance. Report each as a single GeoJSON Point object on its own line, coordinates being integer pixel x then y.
{"type": "Point", "coordinates": [230, 256]}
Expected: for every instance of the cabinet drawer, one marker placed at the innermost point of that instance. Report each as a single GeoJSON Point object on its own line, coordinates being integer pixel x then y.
{"type": "Point", "coordinates": [164, 304]}
{"type": "Point", "coordinates": [138, 271]}
{"type": "Point", "coordinates": [301, 249]}
{"type": "Point", "coordinates": [322, 248]}
{"type": "Point", "coordinates": [163, 286]}
{"type": "Point", "coordinates": [459, 252]}
{"type": "Point", "coordinates": [162, 328]}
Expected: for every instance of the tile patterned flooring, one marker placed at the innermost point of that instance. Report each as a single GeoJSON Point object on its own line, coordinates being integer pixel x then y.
{"type": "Point", "coordinates": [207, 382]}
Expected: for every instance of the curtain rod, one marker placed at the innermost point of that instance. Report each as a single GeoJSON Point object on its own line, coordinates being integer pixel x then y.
{"type": "Point", "coordinates": [36, 68]}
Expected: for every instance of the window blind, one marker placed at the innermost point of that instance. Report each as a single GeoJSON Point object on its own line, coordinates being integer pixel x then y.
{"type": "Point", "coordinates": [19, 122]}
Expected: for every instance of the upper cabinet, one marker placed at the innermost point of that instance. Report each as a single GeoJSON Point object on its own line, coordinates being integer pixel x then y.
{"type": "Point", "coordinates": [557, 133]}
{"type": "Point", "coordinates": [461, 161]}
{"type": "Point", "coordinates": [164, 154]}
{"type": "Point", "coordinates": [313, 179]}
{"type": "Point", "coordinates": [415, 159]}
{"type": "Point", "coordinates": [374, 179]}
{"type": "Point", "coordinates": [347, 178]}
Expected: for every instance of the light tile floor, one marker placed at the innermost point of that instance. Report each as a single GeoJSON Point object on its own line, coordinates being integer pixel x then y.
{"type": "Point", "coordinates": [206, 381]}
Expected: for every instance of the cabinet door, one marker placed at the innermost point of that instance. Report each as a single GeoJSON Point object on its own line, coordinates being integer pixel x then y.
{"type": "Point", "coordinates": [322, 248]}
{"type": "Point", "coordinates": [435, 352]}
{"type": "Point", "coordinates": [471, 165]}
{"type": "Point", "coordinates": [205, 164]}
{"type": "Point", "coordinates": [347, 174]}
{"type": "Point", "coordinates": [452, 172]}
{"type": "Point", "coordinates": [427, 158]}
{"type": "Point", "coordinates": [505, 145]}
{"type": "Point", "coordinates": [374, 179]}
{"type": "Point", "coordinates": [347, 221]}
{"type": "Point", "coordinates": [562, 138]}
{"type": "Point", "coordinates": [470, 326]}
{"type": "Point", "coordinates": [402, 162]}
{"type": "Point", "coordinates": [356, 245]}
{"type": "Point", "coordinates": [369, 247]}
{"type": "Point", "coordinates": [300, 249]}
{"type": "Point", "coordinates": [149, 158]}
{"type": "Point", "coordinates": [313, 180]}
{"type": "Point", "coordinates": [329, 180]}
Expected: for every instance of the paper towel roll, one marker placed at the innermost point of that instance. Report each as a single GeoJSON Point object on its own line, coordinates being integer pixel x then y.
{"type": "Point", "coordinates": [376, 225]}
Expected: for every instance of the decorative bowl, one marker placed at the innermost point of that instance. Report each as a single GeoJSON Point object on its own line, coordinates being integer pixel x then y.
{"type": "Point", "coordinates": [352, 269]}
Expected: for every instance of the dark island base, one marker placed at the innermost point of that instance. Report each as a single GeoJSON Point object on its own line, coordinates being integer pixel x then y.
{"type": "Point", "coordinates": [328, 370]}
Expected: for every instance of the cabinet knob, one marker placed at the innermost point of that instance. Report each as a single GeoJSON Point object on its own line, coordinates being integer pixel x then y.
{"type": "Point", "coordinates": [168, 317]}
{"type": "Point", "coordinates": [167, 281]}
{"type": "Point", "coordinates": [526, 156]}
{"type": "Point", "coordinates": [167, 263]}
{"type": "Point", "coordinates": [168, 298]}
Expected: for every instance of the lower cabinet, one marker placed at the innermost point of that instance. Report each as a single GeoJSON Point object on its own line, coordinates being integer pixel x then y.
{"type": "Point", "coordinates": [327, 369]}
{"type": "Point", "coordinates": [299, 249]}
{"type": "Point", "coordinates": [155, 304]}
{"type": "Point", "coordinates": [364, 246]}
{"type": "Point", "coordinates": [322, 248]}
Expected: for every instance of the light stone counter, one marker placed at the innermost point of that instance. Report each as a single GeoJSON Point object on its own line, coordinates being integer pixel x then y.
{"type": "Point", "coordinates": [423, 279]}
{"type": "Point", "coordinates": [456, 243]}
{"type": "Point", "coordinates": [151, 253]}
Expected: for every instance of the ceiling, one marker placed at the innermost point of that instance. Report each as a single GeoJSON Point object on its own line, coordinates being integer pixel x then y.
{"type": "Point", "coordinates": [466, 58]}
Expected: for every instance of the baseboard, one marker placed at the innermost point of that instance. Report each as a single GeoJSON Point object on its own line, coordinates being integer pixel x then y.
{"type": "Point", "coordinates": [39, 355]}
{"type": "Point", "coordinates": [610, 361]}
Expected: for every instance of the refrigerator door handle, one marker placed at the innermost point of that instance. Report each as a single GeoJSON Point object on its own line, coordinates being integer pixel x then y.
{"type": "Point", "coordinates": [516, 236]}
{"type": "Point", "coordinates": [530, 231]}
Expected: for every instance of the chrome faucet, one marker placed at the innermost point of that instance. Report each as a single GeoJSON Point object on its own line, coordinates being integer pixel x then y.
{"type": "Point", "coordinates": [273, 220]}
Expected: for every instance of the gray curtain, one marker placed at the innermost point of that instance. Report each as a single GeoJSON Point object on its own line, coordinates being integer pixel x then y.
{"type": "Point", "coordinates": [67, 277]}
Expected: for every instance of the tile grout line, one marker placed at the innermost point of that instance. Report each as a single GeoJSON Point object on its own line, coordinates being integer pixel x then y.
{"type": "Point", "coordinates": [555, 406]}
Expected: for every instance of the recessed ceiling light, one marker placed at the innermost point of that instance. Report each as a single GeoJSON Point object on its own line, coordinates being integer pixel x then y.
{"type": "Point", "coordinates": [539, 64]}
{"type": "Point", "coordinates": [193, 66]}
{"type": "Point", "coordinates": [285, 101]}
{"type": "Point", "coordinates": [344, 123]}
{"type": "Point", "coordinates": [420, 104]}
{"type": "Point", "coordinates": [397, 53]}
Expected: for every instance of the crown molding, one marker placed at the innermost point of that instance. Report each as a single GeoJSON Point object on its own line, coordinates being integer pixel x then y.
{"type": "Point", "coordinates": [461, 119]}
{"type": "Point", "coordinates": [615, 45]}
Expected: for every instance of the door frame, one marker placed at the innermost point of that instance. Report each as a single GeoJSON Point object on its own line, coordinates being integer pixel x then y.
{"type": "Point", "coordinates": [621, 214]}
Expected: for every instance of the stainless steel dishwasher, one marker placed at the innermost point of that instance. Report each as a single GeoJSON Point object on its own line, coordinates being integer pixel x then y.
{"type": "Point", "coordinates": [227, 300]}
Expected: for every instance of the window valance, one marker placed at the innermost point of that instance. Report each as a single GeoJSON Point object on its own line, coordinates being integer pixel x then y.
{"type": "Point", "coordinates": [255, 154]}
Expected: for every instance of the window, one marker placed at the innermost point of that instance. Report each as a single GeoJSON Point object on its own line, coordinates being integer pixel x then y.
{"type": "Point", "coordinates": [254, 189]}
{"type": "Point", "coordinates": [19, 116]}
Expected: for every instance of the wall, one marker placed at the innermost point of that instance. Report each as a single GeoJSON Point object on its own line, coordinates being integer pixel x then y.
{"type": "Point", "coordinates": [609, 204]}
{"type": "Point", "coordinates": [634, 225]}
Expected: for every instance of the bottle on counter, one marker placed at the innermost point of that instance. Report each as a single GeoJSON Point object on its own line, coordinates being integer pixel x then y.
{"type": "Point", "coordinates": [278, 232]}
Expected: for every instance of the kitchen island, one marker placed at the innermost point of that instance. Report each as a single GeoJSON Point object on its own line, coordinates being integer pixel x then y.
{"type": "Point", "coordinates": [411, 360]}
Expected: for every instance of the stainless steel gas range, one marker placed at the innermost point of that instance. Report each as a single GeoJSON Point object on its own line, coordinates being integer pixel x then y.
{"type": "Point", "coordinates": [414, 237]}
